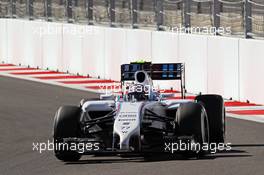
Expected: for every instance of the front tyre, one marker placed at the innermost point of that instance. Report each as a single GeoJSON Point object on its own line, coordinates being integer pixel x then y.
{"type": "Point", "coordinates": [192, 120]}
{"type": "Point", "coordinates": [66, 125]}
{"type": "Point", "coordinates": [214, 106]}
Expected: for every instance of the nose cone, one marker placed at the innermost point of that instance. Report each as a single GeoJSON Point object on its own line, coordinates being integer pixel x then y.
{"type": "Point", "coordinates": [127, 122]}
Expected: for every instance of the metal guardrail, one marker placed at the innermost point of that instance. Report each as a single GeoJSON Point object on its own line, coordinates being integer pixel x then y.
{"type": "Point", "coordinates": [242, 17]}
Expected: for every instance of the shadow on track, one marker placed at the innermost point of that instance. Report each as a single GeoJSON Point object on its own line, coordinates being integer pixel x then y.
{"type": "Point", "coordinates": [160, 158]}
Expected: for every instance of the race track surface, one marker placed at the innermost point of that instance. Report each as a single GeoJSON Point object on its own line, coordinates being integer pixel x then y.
{"type": "Point", "coordinates": [26, 116]}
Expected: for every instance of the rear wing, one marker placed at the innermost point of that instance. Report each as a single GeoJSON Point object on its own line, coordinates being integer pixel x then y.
{"type": "Point", "coordinates": [158, 71]}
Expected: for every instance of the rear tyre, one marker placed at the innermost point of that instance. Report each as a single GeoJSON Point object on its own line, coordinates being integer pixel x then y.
{"type": "Point", "coordinates": [66, 124]}
{"type": "Point", "coordinates": [192, 120]}
{"type": "Point", "coordinates": [214, 106]}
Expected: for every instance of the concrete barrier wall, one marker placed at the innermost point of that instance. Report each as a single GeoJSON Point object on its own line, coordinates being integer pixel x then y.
{"type": "Point", "coordinates": [31, 45]}
{"type": "Point", "coordinates": [15, 41]}
{"type": "Point", "coordinates": [138, 44]}
{"type": "Point", "coordinates": [251, 70]}
{"type": "Point", "coordinates": [94, 51]}
{"type": "Point", "coordinates": [227, 66]}
{"type": "Point", "coordinates": [114, 49]}
{"type": "Point", "coordinates": [3, 40]}
{"type": "Point", "coordinates": [223, 67]}
{"type": "Point", "coordinates": [72, 49]}
{"type": "Point", "coordinates": [51, 54]}
{"type": "Point", "coordinates": [193, 52]}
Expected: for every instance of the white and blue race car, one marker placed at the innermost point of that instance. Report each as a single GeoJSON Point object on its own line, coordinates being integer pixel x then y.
{"type": "Point", "coordinates": [140, 121]}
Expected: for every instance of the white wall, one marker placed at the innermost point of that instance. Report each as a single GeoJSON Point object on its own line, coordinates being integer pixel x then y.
{"type": "Point", "coordinates": [251, 70]}
{"type": "Point", "coordinates": [165, 47]}
{"type": "Point", "coordinates": [193, 52]}
{"type": "Point", "coordinates": [52, 44]}
{"type": "Point", "coordinates": [72, 48]}
{"type": "Point", "coordinates": [228, 66]}
{"type": "Point", "coordinates": [3, 41]}
{"type": "Point", "coordinates": [115, 52]}
{"type": "Point", "coordinates": [223, 67]}
{"type": "Point", "coordinates": [93, 51]}
{"type": "Point", "coordinates": [32, 48]}
{"type": "Point", "coordinates": [138, 44]}
{"type": "Point", "coordinates": [15, 41]}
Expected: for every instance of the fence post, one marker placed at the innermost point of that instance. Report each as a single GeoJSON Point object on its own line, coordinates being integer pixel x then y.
{"type": "Point", "coordinates": [216, 13]}
{"type": "Point", "coordinates": [159, 13]}
{"type": "Point", "coordinates": [112, 12]}
{"type": "Point", "coordinates": [30, 8]}
{"type": "Point", "coordinates": [248, 20]}
{"type": "Point", "coordinates": [90, 11]}
{"type": "Point", "coordinates": [186, 14]}
{"type": "Point", "coordinates": [48, 10]}
{"type": "Point", "coordinates": [13, 8]}
{"type": "Point", "coordinates": [69, 7]}
{"type": "Point", "coordinates": [134, 13]}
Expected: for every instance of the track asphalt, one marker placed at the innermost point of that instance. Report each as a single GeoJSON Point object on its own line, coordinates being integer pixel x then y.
{"type": "Point", "coordinates": [26, 115]}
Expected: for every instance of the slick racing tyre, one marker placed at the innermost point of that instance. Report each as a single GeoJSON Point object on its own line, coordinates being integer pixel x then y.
{"type": "Point", "coordinates": [192, 120]}
{"type": "Point", "coordinates": [214, 106]}
{"type": "Point", "coordinates": [66, 125]}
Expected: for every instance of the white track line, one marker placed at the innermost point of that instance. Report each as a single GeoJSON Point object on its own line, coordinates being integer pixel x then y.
{"type": "Point", "coordinates": [48, 82]}
{"type": "Point", "coordinates": [241, 108]}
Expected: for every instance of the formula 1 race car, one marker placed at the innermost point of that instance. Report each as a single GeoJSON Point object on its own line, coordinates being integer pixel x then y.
{"type": "Point", "coordinates": [140, 121]}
